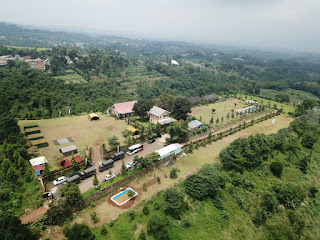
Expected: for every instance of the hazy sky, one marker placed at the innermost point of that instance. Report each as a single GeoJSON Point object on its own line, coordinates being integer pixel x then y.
{"type": "Point", "coordinates": [291, 24]}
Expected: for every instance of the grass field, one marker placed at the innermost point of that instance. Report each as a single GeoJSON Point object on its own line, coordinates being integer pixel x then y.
{"type": "Point", "coordinates": [187, 166]}
{"type": "Point", "coordinates": [287, 108]}
{"type": "Point", "coordinates": [71, 76]}
{"type": "Point", "coordinates": [19, 47]}
{"type": "Point", "coordinates": [84, 133]}
{"type": "Point", "coordinates": [296, 96]}
{"type": "Point", "coordinates": [222, 109]}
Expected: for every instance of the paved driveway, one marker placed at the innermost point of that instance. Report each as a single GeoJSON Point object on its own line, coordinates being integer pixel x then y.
{"type": "Point", "coordinates": [87, 184]}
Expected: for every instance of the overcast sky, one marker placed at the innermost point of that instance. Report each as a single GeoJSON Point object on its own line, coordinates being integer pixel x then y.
{"type": "Point", "coordinates": [293, 24]}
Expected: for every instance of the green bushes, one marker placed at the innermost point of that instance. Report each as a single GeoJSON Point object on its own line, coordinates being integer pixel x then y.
{"type": "Point", "coordinates": [276, 168]}
{"type": "Point", "coordinates": [158, 227]}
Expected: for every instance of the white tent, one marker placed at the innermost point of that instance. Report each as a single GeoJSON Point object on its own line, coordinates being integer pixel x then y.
{"type": "Point", "coordinates": [38, 161]}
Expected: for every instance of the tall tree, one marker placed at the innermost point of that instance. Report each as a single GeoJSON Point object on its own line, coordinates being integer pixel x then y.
{"type": "Point", "coordinates": [142, 107]}
{"type": "Point", "coordinates": [182, 107]}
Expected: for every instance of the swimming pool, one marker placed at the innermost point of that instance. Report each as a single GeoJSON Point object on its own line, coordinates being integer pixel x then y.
{"type": "Point", "coordinates": [122, 197]}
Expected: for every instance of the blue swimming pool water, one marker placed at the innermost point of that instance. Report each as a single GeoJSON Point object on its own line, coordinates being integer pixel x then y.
{"type": "Point", "coordinates": [123, 192]}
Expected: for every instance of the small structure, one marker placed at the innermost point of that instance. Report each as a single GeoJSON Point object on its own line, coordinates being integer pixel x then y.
{"type": "Point", "coordinates": [78, 159]}
{"type": "Point", "coordinates": [38, 161]}
{"type": "Point", "coordinates": [93, 117]}
{"type": "Point", "coordinates": [174, 63]}
{"type": "Point", "coordinates": [174, 148]}
{"type": "Point", "coordinates": [194, 125]}
{"type": "Point", "coordinates": [69, 150]}
{"type": "Point", "coordinates": [65, 162]}
{"type": "Point", "coordinates": [250, 102]}
{"type": "Point", "coordinates": [133, 130]}
{"type": "Point", "coordinates": [159, 115]}
{"type": "Point", "coordinates": [247, 110]}
{"type": "Point", "coordinates": [38, 169]}
{"type": "Point", "coordinates": [123, 109]}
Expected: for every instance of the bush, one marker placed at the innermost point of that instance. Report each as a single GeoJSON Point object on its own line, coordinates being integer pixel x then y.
{"type": "Point", "coordinates": [144, 187]}
{"type": "Point", "coordinates": [174, 202]}
{"type": "Point", "coordinates": [57, 215]}
{"type": "Point", "coordinates": [132, 215]}
{"type": "Point", "coordinates": [174, 172]}
{"type": "Point", "coordinates": [269, 203]}
{"type": "Point", "coordinates": [185, 223]}
{"type": "Point", "coordinates": [296, 221]}
{"type": "Point", "coordinates": [157, 227]}
{"type": "Point", "coordinates": [145, 210]}
{"type": "Point", "coordinates": [94, 217]}
{"type": "Point", "coordinates": [80, 231]}
{"type": "Point", "coordinates": [142, 235]}
{"type": "Point", "coordinates": [290, 195]}
{"type": "Point", "coordinates": [312, 192]}
{"type": "Point", "coordinates": [104, 231]}
{"type": "Point", "coordinates": [276, 168]}
{"type": "Point", "coordinates": [260, 218]}
{"type": "Point", "coordinates": [158, 180]}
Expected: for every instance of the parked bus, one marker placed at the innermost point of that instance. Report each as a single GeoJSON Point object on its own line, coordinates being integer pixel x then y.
{"type": "Point", "coordinates": [74, 178]}
{"type": "Point", "coordinates": [87, 173]}
{"type": "Point", "coordinates": [134, 149]}
{"type": "Point", "coordinates": [106, 165]}
{"type": "Point", "coordinates": [117, 156]}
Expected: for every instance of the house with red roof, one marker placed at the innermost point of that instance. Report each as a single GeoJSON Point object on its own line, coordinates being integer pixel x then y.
{"type": "Point", "coordinates": [123, 109]}
{"type": "Point", "coordinates": [38, 169]}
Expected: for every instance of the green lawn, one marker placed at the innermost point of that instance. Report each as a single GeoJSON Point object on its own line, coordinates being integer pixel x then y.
{"type": "Point", "coordinates": [287, 108]}
{"type": "Point", "coordinates": [204, 112]}
{"type": "Point", "coordinates": [71, 76]}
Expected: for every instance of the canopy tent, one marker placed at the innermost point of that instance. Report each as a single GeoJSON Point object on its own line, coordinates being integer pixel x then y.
{"type": "Point", "coordinates": [38, 161]}
{"type": "Point", "coordinates": [93, 117]}
{"type": "Point", "coordinates": [69, 149]}
{"type": "Point", "coordinates": [65, 162]}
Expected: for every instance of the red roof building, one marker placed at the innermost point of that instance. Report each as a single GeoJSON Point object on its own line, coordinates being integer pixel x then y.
{"type": "Point", "coordinates": [123, 109]}
{"type": "Point", "coordinates": [38, 169]}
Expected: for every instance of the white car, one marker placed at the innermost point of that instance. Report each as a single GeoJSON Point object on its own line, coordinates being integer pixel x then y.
{"type": "Point", "coordinates": [59, 180]}
{"type": "Point", "coordinates": [129, 165]}
{"type": "Point", "coordinates": [109, 177]}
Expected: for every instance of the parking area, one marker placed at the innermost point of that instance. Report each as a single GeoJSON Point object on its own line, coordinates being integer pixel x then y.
{"type": "Point", "coordinates": [87, 184]}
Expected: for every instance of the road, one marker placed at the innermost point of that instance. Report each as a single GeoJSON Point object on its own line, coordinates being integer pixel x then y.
{"type": "Point", "coordinates": [87, 184]}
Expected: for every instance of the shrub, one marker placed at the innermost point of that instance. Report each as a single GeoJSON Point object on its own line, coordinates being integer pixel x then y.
{"type": "Point", "coordinates": [290, 195]}
{"type": "Point", "coordinates": [80, 231]}
{"type": "Point", "coordinates": [145, 210]}
{"type": "Point", "coordinates": [158, 180]}
{"type": "Point", "coordinates": [132, 215]}
{"type": "Point", "coordinates": [296, 221]}
{"type": "Point", "coordinates": [269, 203]}
{"type": "Point", "coordinates": [94, 217]}
{"type": "Point", "coordinates": [144, 187]}
{"type": "Point", "coordinates": [157, 227]}
{"type": "Point", "coordinates": [104, 231]}
{"type": "Point", "coordinates": [185, 223]}
{"type": "Point", "coordinates": [260, 218]}
{"type": "Point", "coordinates": [174, 202]}
{"type": "Point", "coordinates": [142, 235]}
{"type": "Point", "coordinates": [312, 191]}
{"type": "Point", "coordinates": [174, 172]}
{"type": "Point", "coordinates": [276, 168]}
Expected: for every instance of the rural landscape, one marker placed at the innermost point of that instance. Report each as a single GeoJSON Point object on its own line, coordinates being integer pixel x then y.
{"type": "Point", "coordinates": [106, 136]}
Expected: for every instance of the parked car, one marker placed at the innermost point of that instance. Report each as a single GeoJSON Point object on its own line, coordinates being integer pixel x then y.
{"type": "Point", "coordinates": [47, 195]}
{"type": "Point", "coordinates": [59, 180]}
{"type": "Point", "coordinates": [129, 165]}
{"type": "Point", "coordinates": [151, 140]}
{"type": "Point", "coordinates": [73, 174]}
{"type": "Point", "coordinates": [109, 177]}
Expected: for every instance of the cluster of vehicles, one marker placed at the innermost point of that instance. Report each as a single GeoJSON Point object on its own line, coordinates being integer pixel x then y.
{"type": "Point", "coordinates": [105, 165]}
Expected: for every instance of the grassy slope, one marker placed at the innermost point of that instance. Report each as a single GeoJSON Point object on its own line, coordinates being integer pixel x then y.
{"type": "Point", "coordinates": [296, 96]}
{"type": "Point", "coordinates": [84, 133]}
{"type": "Point", "coordinates": [207, 221]}
{"type": "Point", "coordinates": [19, 47]}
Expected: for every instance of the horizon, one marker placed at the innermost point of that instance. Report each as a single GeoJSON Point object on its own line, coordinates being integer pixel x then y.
{"type": "Point", "coordinates": [283, 24]}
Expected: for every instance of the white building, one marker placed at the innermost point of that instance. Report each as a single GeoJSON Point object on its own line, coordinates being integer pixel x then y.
{"type": "Point", "coordinates": [175, 63]}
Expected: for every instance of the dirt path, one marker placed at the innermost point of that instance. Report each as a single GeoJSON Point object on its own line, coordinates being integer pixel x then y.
{"type": "Point", "coordinates": [96, 154]}
{"type": "Point", "coordinates": [33, 216]}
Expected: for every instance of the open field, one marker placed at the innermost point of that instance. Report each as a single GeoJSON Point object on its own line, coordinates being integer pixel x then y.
{"type": "Point", "coordinates": [84, 133]}
{"type": "Point", "coordinates": [187, 166]}
{"type": "Point", "coordinates": [19, 47]}
{"type": "Point", "coordinates": [71, 76]}
{"type": "Point", "coordinates": [222, 109]}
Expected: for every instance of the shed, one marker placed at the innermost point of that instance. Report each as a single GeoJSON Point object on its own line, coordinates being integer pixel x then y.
{"type": "Point", "coordinates": [166, 121]}
{"type": "Point", "coordinates": [38, 161]}
{"type": "Point", "coordinates": [38, 169]}
{"type": "Point", "coordinates": [194, 125]}
{"type": "Point", "coordinates": [68, 150]}
{"type": "Point", "coordinates": [174, 148]}
{"type": "Point", "coordinates": [65, 162]}
{"type": "Point", "coordinates": [93, 117]}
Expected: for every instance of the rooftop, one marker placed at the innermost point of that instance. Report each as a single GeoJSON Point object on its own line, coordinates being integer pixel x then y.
{"type": "Point", "coordinates": [168, 149]}
{"type": "Point", "coordinates": [125, 107]}
{"type": "Point", "coordinates": [157, 111]}
{"type": "Point", "coordinates": [38, 161]}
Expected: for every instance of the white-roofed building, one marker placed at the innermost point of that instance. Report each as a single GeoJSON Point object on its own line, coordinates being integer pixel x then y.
{"type": "Point", "coordinates": [38, 161]}
{"type": "Point", "coordinates": [159, 115]}
{"type": "Point", "coordinates": [175, 63]}
{"type": "Point", "coordinates": [174, 148]}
